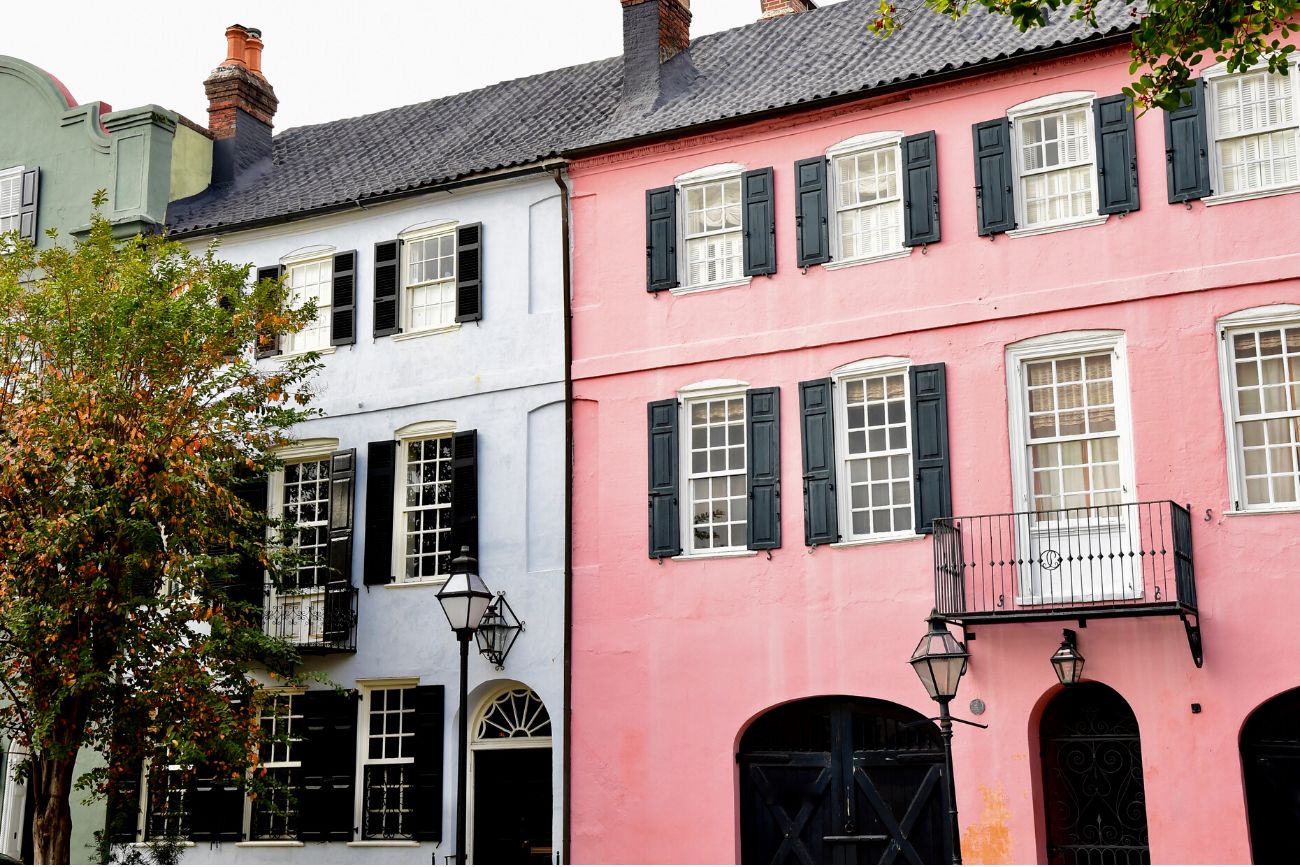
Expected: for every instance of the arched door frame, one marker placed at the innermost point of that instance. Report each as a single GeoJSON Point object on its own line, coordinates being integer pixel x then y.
{"type": "Point", "coordinates": [1280, 698]}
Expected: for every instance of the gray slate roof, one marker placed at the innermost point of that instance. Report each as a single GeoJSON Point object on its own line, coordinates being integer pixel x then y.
{"type": "Point", "coordinates": [824, 54]}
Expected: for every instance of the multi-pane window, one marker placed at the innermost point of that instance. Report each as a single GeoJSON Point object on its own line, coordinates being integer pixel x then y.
{"type": "Point", "coordinates": [878, 459]}
{"type": "Point", "coordinates": [1074, 442]}
{"type": "Point", "coordinates": [274, 815]}
{"type": "Point", "coordinates": [1265, 397]}
{"type": "Point", "coordinates": [388, 802]}
{"type": "Point", "coordinates": [425, 504]}
{"type": "Point", "coordinates": [11, 197]}
{"type": "Point", "coordinates": [306, 505]}
{"type": "Point", "coordinates": [1057, 172]}
{"type": "Point", "coordinates": [712, 232]}
{"type": "Point", "coordinates": [168, 813]}
{"type": "Point", "coordinates": [311, 281]}
{"type": "Point", "coordinates": [868, 203]}
{"type": "Point", "coordinates": [1255, 132]}
{"type": "Point", "coordinates": [430, 281]}
{"type": "Point", "coordinates": [715, 473]}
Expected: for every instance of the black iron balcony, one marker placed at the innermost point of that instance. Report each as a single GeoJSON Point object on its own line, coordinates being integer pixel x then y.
{"type": "Point", "coordinates": [315, 620]}
{"type": "Point", "coordinates": [1124, 560]}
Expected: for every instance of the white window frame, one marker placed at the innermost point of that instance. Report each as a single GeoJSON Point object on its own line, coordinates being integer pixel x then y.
{"type": "Point", "coordinates": [291, 763]}
{"type": "Point", "coordinates": [1219, 72]}
{"type": "Point", "coordinates": [408, 237]}
{"type": "Point", "coordinates": [367, 688]}
{"type": "Point", "coordinates": [298, 259]}
{"type": "Point", "coordinates": [861, 144]}
{"type": "Point", "coordinates": [695, 178]}
{"type": "Point", "coordinates": [1251, 319]}
{"type": "Point", "coordinates": [687, 396]}
{"type": "Point", "coordinates": [1053, 104]}
{"type": "Point", "coordinates": [16, 213]}
{"type": "Point", "coordinates": [869, 367]}
{"type": "Point", "coordinates": [419, 431]}
{"type": "Point", "coordinates": [142, 833]}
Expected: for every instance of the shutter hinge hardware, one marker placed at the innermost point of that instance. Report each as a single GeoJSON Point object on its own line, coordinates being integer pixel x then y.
{"type": "Point", "coordinates": [769, 550]}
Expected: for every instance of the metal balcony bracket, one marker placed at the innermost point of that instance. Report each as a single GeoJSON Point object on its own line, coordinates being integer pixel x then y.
{"type": "Point", "coordinates": [1192, 623]}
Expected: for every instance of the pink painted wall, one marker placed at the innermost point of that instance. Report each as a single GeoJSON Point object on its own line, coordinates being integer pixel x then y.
{"type": "Point", "coordinates": [671, 660]}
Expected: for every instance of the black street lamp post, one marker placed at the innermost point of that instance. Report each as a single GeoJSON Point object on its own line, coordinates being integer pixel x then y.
{"type": "Point", "coordinates": [464, 597]}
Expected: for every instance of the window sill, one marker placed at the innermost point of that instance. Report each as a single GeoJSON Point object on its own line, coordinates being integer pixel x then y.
{"type": "Point", "coordinates": [715, 555]}
{"type": "Point", "coordinates": [270, 844]}
{"type": "Point", "coordinates": [1227, 198]}
{"type": "Point", "coordinates": [425, 332]}
{"type": "Point", "coordinates": [1263, 510]}
{"type": "Point", "coordinates": [1057, 227]}
{"type": "Point", "coordinates": [707, 287]}
{"type": "Point", "coordinates": [403, 585]}
{"type": "Point", "coordinates": [879, 540]}
{"type": "Point", "coordinates": [384, 844]}
{"type": "Point", "coordinates": [836, 265]}
{"type": "Point", "coordinates": [323, 351]}
{"type": "Point", "coordinates": [184, 844]}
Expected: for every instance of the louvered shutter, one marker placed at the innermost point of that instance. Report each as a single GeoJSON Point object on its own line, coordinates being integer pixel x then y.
{"type": "Point", "coordinates": [661, 239]}
{"type": "Point", "coordinates": [932, 487]}
{"type": "Point", "coordinates": [464, 492]}
{"type": "Point", "coordinates": [328, 774]}
{"type": "Point", "coordinates": [820, 515]}
{"type": "Point", "coordinates": [469, 272]}
{"type": "Point", "coordinates": [427, 822]}
{"type": "Point", "coordinates": [811, 213]}
{"type": "Point", "coordinates": [388, 288]}
{"type": "Point", "coordinates": [381, 469]}
{"type": "Point", "coordinates": [920, 190]}
{"type": "Point", "coordinates": [250, 576]}
{"type": "Point", "coordinates": [1187, 150]}
{"type": "Point", "coordinates": [994, 200]}
{"type": "Point", "coordinates": [28, 204]}
{"type": "Point", "coordinates": [763, 467]}
{"type": "Point", "coordinates": [665, 536]}
{"type": "Point", "coordinates": [759, 222]}
{"type": "Point", "coordinates": [268, 344]}
{"type": "Point", "coordinates": [343, 309]}
{"type": "Point", "coordinates": [1117, 168]}
{"type": "Point", "coordinates": [338, 589]}
{"type": "Point", "coordinates": [216, 808]}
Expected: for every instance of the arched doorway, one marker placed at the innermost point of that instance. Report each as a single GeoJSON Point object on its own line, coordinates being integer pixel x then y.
{"type": "Point", "coordinates": [1270, 761]}
{"type": "Point", "coordinates": [510, 746]}
{"type": "Point", "coordinates": [1092, 778]}
{"type": "Point", "coordinates": [842, 780]}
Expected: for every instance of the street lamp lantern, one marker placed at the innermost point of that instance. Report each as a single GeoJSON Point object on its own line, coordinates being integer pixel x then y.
{"type": "Point", "coordinates": [939, 660]}
{"type": "Point", "coordinates": [497, 631]}
{"type": "Point", "coordinates": [463, 596]}
{"type": "Point", "coordinates": [1068, 661]}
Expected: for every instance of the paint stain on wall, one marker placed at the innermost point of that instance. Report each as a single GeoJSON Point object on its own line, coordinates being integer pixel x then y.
{"type": "Point", "coordinates": [989, 840]}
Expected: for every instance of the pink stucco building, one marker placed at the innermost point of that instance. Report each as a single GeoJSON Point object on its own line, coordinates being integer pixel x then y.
{"type": "Point", "coordinates": [1003, 350]}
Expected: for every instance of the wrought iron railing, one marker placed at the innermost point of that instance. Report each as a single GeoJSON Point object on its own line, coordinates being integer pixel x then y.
{"type": "Point", "coordinates": [317, 620]}
{"type": "Point", "coordinates": [1129, 558]}
{"type": "Point", "coordinates": [388, 802]}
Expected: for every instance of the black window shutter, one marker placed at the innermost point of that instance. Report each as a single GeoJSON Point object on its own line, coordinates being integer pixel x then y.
{"type": "Point", "coordinates": [665, 536]}
{"type": "Point", "coordinates": [268, 344]}
{"type": "Point", "coordinates": [250, 577]}
{"type": "Point", "coordinates": [994, 200]}
{"type": "Point", "coordinates": [381, 470]}
{"type": "Point", "coordinates": [343, 310]}
{"type": "Point", "coordinates": [759, 222]}
{"type": "Point", "coordinates": [920, 190]}
{"type": "Point", "coordinates": [763, 464]}
{"type": "Point", "coordinates": [1117, 168]}
{"type": "Point", "coordinates": [216, 808]}
{"type": "Point", "coordinates": [661, 239]}
{"type": "Point", "coordinates": [388, 288]}
{"type": "Point", "coordinates": [464, 492]}
{"type": "Point", "coordinates": [820, 516]}
{"type": "Point", "coordinates": [811, 213]}
{"type": "Point", "coordinates": [1187, 150]}
{"type": "Point", "coordinates": [469, 272]}
{"type": "Point", "coordinates": [428, 762]}
{"type": "Point", "coordinates": [28, 204]}
{"type": "Point", "coordinates": [932, 488]}
{"type": "Point", "coordinates": [328, 774]}
{"type": "Point", "coordinates": [338, 589]}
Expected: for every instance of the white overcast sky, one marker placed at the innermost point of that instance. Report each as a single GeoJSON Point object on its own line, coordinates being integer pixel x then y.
{"type": "Point", "coordinates": [327, 59]}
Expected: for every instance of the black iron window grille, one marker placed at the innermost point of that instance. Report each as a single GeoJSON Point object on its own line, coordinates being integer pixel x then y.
{"type": "Point", "coordinates": [168, 814]}
{"type": "Point", "coordinates": [275, 814]}
{"type": "Point", "coordinates": [389, 802]}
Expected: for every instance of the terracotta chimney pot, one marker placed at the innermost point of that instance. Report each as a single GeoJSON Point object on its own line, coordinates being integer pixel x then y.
{"type": "Point", "coordinates": [236, 37]}
{"type": "Point", "coordinates": [253, 51]}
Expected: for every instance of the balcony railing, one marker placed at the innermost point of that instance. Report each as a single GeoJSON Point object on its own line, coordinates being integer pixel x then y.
{"type": "Point", "coordinates": [1129, 559]}
{"type": "Point", "coordinates": [316, 620]}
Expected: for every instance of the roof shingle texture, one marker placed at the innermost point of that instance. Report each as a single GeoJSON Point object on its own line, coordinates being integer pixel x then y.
{"type": "Point", "coordinates": [770, 65]}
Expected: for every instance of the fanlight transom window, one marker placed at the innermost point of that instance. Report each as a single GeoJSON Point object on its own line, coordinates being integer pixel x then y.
{"type": "Point", "coordinates": [516, 713]}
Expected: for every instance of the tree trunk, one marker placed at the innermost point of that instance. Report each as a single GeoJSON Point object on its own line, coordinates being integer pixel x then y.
{"type": "Point", "coordinates": [52, 823]}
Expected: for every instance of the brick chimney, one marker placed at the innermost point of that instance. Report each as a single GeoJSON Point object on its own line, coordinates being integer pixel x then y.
{"type": "Point", "coordinates": [241, 106]}
{"type": "Point", "coordinates": [654, 31]}
{"type": "Point", "coordinates": [777, 8]}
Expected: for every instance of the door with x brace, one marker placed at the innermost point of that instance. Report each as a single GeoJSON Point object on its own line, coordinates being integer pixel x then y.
{"type": "Point", "coordinates": [842, 781]}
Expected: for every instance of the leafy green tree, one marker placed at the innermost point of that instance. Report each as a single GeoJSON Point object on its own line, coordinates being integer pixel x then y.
{"type": "Point", "coordinates": [130, 411]}
{"type": "Point", "coordinates": [1171, 37]}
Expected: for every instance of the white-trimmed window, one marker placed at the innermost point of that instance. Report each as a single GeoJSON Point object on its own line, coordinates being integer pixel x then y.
{"type": "Point", "coordinates": [868, 196]}
{"type": "Point", "coordinates": [874, 436]}
{"type": "Point", "coordinates": [1055, 160]}
{"type": "Point", "coordinates": [429, 279]}
{"type": "Point", "coordinates": [1261, 379]}
{"type": "Point", "coordinates": [165, 792]}
{"type": "Point", "coordinates": [275, 816]}
{"type": "Point", "coordinates": [311, 280]}
{"type": "Point", "coordinates": [424, 504]}
{"type": "Point", "coordinates": [11, 198]}
{"type": "Point", "coordinates": [712, 234]}
{"type": "Point", "coordinates": [716, 499]}
{"type": "Point", "coordinates": [388, 748]}
{"type": "Point", "coordinates": [1253, 127]}
{"type": "Point", "coordinates": [305, 501]}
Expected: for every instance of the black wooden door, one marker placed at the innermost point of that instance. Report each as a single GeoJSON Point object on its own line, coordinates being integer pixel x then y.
{"type": "Point", "coordinates": [1092, 779]}
{"type": "Point", "coordinates": [512, 806]}
{"type": "Point", "coordinates": [842, 781]}
{"type": "Point", "coordinates": [1270, 761]}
